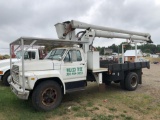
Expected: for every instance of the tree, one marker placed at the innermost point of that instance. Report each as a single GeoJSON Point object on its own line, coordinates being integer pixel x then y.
{"type": "Point", "coordinates": [114, 48]}
{"type": "Point", "coordinates": [147, 48]}
{"type": "Point", "coordinates": [126, 47]}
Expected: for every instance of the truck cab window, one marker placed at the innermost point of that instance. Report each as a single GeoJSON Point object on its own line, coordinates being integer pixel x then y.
{"type": "Point", "coordinates": [29, 55]}
{"type": "Point", "coordinates": [79, 58]}
{"type": "Point", "coordinates": [18, 54]}
{"type": "Point", "coordinates": [67, 58]}
{"type": "Point", "coordinates": [73, 56]}
{"type": "Point", "coordinates": [55, 54]}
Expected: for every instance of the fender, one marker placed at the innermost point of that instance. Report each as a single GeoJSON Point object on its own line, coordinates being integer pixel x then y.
{"type": "Point", "coordinates": [39, 75]}
{"type": "Point", "coordinates": [4, 69]}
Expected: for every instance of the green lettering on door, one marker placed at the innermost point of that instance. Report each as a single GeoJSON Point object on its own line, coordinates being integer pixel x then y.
{"type": "Point", "coordinates": [74, 71]}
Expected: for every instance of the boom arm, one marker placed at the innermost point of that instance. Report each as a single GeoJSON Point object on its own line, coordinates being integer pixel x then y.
{"type": "Point", "coordinates": [66, 30]}
{"type": "Point", "coordinates": [105, 34]}
{"type": "Point", "coordinates": [81, 25]}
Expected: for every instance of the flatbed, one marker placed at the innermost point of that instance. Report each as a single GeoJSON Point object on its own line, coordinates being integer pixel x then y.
{"type": "Point", "coordinates": [124, 66]}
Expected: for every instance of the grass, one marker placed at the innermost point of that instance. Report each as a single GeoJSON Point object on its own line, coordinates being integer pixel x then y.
{"type": "Point", "coordinates": [76, 108]}
{"type": "Point", "coordinates": [90, 104]}
{"type": "Point", "coordinates": [111, 117]}
{"type": "Point", "coordinates": [103, 117]}
{"type": "Point", "coordinates": [95, 108]}
{"type": "Point", "coordinates": [82, 114]}
{"type": "Point", "coordinates": [113, 109]}
{"type": "Point", "coordinates": [12, 108]}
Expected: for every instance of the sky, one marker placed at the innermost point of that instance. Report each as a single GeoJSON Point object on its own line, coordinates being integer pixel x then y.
{"type": "Point", "coordinates": [37, 18]}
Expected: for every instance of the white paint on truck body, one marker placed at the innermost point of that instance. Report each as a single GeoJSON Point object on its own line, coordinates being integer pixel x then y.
{"type": "Point", "coordinates": [5, 64]}
{"type": "Point", "coordinates": [63, 69]}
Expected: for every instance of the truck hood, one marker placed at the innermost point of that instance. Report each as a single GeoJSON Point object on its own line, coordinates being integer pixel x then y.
{"type": "Point", "coordinates": [37, 65]}
{"type": "Point", "coordinates": [6, 62]}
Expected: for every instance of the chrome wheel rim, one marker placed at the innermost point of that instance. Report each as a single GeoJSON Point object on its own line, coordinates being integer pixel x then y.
{"type": "Point", "coordinates": [9, 79]}
{"type": "Point", "coordinates": [49, 96]}
{"type": "Point", "coordinates": [134, 81]}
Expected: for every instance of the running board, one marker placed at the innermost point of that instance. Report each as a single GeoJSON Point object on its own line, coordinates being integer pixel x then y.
{"type": "Point", "coordinates": [75, 89]}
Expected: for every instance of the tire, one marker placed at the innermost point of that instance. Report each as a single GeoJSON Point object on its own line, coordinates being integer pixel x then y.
{"type": "Point", "coordinates": [6, 78]}
{"type": "Point", "coordinates": [47, 96]}
{"type": "Point", "coordinates": [131, 81]}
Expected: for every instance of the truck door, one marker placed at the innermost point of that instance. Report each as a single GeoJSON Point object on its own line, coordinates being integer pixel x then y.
{"type": "Point", "coordinates": [74, 66]}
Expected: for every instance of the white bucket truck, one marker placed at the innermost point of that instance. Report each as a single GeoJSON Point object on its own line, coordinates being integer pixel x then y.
{"type": "Point", "coordinates": [34, 54]}
{"type": "Point", "coordinates": [69, 67]}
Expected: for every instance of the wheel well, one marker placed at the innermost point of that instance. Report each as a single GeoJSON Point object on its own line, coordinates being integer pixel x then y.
{"type": "Point", "coordinates": [56, 79]}
{"type": "Point", "coordinates": [2, 77]}
{"type": "Point", "coordinates": [135, 71]}
{"type": "Point", "coordinates": [4, 74]}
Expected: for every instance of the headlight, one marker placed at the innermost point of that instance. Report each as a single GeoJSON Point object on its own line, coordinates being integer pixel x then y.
{"type": "Point", "coordinates": [29, 78]}
{"type": "Point", "coordinates": [1, 72]}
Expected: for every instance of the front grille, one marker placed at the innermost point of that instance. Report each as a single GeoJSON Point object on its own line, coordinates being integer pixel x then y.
{"type": "Point", "coordinates": [15, 73]}
{"type": "Point", "coordinates": [15, 68]}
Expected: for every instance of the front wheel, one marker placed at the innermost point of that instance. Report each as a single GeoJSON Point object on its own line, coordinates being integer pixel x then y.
{"type": "Point", "coordinates": [47, 96]}
{"type": "Point", "coordinates": [6, 78]}
{"type": "Point", "coordinates": [131, 81]}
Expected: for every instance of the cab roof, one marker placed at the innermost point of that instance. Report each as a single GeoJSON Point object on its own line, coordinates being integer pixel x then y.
{"type": "Point", "coordinates": [46, 41]}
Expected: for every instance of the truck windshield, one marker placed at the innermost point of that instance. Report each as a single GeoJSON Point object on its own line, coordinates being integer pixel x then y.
{"type": "Point", "coordinates": [55, 54]}
{"type": "Point", "coordinates": [27, 54]}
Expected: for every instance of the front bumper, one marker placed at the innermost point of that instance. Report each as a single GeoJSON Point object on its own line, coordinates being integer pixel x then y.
{"type": "Point", "coordinates": [18, 91]}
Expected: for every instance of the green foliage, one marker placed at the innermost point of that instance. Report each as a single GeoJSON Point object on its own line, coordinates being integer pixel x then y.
{"type": "Point", "coordinates": [113, 47]}
{"type": "Point", "coordinates": [4, 56]}
{"type": "Point", "coordinates": [146, 48]}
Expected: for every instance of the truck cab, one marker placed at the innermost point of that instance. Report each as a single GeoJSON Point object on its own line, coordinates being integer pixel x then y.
{"type": "Point", "coordinates": [73, 65]}
{"type": "Point", "coordinates": [30, 54]}
{"type": "Point", "coordinates": [67, 65]}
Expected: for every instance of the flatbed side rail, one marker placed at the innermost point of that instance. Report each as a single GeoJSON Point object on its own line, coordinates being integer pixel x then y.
{"type": "Point", "coordinates": [126, 66]}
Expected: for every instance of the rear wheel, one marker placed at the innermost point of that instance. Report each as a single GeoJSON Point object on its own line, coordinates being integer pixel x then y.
{"type": "Point", "coordinates": [131, 81]}
{"type": "Point", "coordinates": [6, 78]}
{"type": "Point", "coordinates": [47, 96]}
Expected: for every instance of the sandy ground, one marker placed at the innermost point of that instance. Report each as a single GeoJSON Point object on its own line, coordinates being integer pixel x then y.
{"type": "Point", "coordinates": [151, 81]}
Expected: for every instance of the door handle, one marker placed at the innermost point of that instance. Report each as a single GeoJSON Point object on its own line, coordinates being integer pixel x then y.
{"type": "Point", "coordinates": [82, 64]}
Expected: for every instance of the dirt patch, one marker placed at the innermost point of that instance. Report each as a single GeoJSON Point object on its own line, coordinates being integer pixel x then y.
{"type": "Point", "coordinates": [152, 59]}
{"type": "Point", "coordinates": [2, 117]}
{"type": "Point", "coordinates": [151, 81]}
